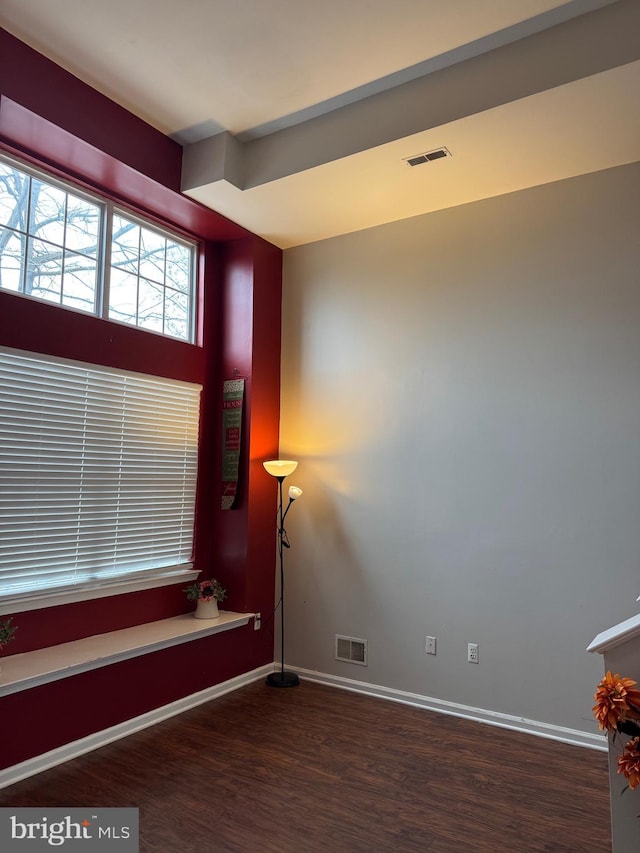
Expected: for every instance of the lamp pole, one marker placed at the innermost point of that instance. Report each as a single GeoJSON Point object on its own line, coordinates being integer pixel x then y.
{"type": "Point", "coordinates": [276, 469]}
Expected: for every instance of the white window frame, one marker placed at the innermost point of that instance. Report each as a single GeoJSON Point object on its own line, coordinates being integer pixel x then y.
{"type": "Point", "coordinates": [109, 209]}
{"type": "Point", "coordinates": [65, 508]}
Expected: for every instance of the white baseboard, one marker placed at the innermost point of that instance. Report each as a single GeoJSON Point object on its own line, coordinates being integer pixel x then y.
{"type": "Point", "coordinates": [32, 766]}
{"type": "Point", "coordinates": [17, 772]}
{"type": "Point", "coordinates": [575, 737]}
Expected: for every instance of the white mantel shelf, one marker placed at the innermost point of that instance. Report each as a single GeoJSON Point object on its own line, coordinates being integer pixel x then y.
{"type": "Point", "coordinates": [31, 669]}
{"type": "Point", "coordinates": [616, 636]}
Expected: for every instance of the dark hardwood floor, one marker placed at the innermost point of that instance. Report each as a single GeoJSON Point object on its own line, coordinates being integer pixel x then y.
{"type": "Point", "coordinates": [315, 768]}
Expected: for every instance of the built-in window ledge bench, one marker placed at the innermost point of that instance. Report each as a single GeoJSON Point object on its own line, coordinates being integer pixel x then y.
{"type": "Point", "coordinates": [31, 669]}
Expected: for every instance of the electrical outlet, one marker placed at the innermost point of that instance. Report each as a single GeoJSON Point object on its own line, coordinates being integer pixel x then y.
{"type": "Point", "coordinates": [257, 621]}
{"type": "Point", "coordinates": [430, 645]}
{"type": "Point", "coordinates": [472, 652]}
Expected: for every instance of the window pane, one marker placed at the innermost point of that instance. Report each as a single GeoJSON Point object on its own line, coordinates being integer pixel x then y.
{"type": "Point", "coordinates": [123, 297]}
{"type": "Point", "coordinates": [176, 314]}
{"type": "Point", "coordinates": [150, 307]}
{"type": "Point", "coordinates": [79, 282]}
{"type": "Point", "coordinates": [164, 267]}
{"type": "Point", "coordinates": [14, 197]}
{"type": "Point", "coordinates": [83, 225]}
{"type": "Point", "coordinates": [11, 260]}
{"type": "Point", "coordinates": [44, 271]}
{"type": "Point", "coordinates": [125, 244]}
{"type": "Point", "coordinates": [152, 254]}
{"type": "Point", "coordinates": [178, 266]}
{"type": "Point", "coordinates": [47, 212]}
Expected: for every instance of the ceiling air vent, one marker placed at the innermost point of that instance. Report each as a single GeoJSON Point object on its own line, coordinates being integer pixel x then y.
{"type": "Point", "coordinates": [428, 156]}
{"type": "Point", "coordinates": [351, 650]}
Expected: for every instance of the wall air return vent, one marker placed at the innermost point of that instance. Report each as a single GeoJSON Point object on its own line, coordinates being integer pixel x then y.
{"type": "Point", "coordinates": [351, 650]}
{"type": "Point", "coordinates": [427, 157]}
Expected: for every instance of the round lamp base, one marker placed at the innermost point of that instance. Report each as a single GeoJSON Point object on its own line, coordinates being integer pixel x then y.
{"type": "Point", "coordinates": [282, 679]}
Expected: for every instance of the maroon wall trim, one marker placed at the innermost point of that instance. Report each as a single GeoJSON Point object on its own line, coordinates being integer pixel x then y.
{"type": "Point", "coordinates": [38, 326]}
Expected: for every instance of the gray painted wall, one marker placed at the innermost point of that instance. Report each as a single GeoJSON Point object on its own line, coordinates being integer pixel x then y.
{"type": "Point", "coordinates": [462, 390]}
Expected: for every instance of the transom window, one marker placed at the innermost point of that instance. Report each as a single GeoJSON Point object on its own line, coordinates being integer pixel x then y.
{"type": "Point", "coordinates": [59, 245]}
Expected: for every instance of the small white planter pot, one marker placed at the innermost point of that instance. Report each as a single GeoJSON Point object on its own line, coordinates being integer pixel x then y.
{"type": "Point", "coordinates": [207, 609]}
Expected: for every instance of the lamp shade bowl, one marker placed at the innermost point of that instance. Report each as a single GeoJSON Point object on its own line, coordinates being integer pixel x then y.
{"type": "Point", "coordinates": [280, 467]}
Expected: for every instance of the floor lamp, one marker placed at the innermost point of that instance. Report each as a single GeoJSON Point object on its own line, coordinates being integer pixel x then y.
{"type": "Point", "coordinates": [281, 468]}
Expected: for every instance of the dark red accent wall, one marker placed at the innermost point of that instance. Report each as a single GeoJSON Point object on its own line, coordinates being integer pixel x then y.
{"type": "Point", "coordinates": [67, 710]}
{"type": "Point", "coordinates": [44, 107]}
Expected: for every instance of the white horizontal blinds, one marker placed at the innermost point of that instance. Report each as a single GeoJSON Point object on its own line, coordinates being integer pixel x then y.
{"type": "Point", "coordinates": [97, 474]}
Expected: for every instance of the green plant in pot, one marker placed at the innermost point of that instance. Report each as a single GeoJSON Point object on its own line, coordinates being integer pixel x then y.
{"type": "Point", "coordinates": [7, 631]}
{"type": "Point", "coordinates": [207, 594]}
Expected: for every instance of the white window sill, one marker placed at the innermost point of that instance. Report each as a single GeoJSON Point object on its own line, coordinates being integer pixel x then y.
{"type": "Point", "coordinates": [149, 579]}
{"type": "Point", "coordinates": [31, 669]}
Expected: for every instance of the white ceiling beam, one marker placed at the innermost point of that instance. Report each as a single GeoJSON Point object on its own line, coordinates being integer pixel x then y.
{"type": "Point", "coordinates": [581, 47]}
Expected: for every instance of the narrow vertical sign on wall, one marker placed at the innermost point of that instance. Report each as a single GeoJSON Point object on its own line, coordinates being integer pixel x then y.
{"type": "Point", "coordinates": [232, 399]}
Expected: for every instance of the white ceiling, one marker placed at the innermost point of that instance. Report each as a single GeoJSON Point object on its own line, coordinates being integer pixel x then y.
{"type": "Point", "coordinates": [296, 115]}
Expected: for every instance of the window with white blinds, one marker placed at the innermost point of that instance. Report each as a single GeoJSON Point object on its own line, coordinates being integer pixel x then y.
{"type": "Point", "coordinates": [97, 476]}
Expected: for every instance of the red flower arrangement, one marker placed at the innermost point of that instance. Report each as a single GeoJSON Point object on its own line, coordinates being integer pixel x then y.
{"type": "Point", "coordinates": [617, 710]}
{"type": "Point", "coordinates": [206, 590]}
